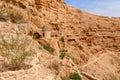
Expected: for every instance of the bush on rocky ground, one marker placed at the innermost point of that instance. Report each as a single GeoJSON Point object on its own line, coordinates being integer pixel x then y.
{"type": "Point", "coordinates": [12, 16]}
{"type": "Point", "coordinates": [14, 49]}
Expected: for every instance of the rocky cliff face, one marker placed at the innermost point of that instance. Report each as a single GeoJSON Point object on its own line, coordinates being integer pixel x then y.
{"type": "Point", "coordinates": [86, 38]}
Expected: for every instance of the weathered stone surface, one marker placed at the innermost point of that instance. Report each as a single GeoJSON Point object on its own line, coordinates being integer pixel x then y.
{"type": "Point", "coordinates": [83, 36]}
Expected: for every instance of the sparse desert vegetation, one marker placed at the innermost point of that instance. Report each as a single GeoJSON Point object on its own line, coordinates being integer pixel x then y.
{"type": "Point", "coordinates": [48, 40]}
{"type": "Point", "coordinates": [55, 66]}
{"type": "Point", "coordinates": [14, 49]}
{"type": "Point", "coordinates": [48, 48]}
{"type": "Point", "coordinates": [62, 55]}
{"type": "Point", "coordinates": [72, 76]}
{"type": "Point", "coordinates": [11, 15]}
{"type": "Point", "coordinates": [75, 76]}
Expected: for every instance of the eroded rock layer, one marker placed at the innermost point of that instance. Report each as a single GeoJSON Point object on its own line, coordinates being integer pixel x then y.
{"type": "Point", "coordinates": [82, 35]}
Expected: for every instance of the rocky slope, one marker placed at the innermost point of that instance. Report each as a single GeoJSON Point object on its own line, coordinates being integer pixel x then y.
{"type": "Point", "coordinates": [92, 42]}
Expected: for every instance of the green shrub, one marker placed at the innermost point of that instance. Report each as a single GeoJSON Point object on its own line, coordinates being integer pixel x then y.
{"type": "Point", "coordinates": [75, 76]}
{"type": "Point", "coordinates": [54, 66]}
{"type": "Point", "coordinates": [48, 48]}
{"type": "Point", "coordinates": [64, 78]}
{"type": "Point", "coordinates": [62, 55]}
{"type": "Point", "coordinates": [35, 35]}
{"type": "Point", "coordinates": [13, 48]}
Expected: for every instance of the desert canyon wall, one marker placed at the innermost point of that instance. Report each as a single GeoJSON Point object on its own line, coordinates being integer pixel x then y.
{"type": "Point", "coordinates": [88, 39]}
